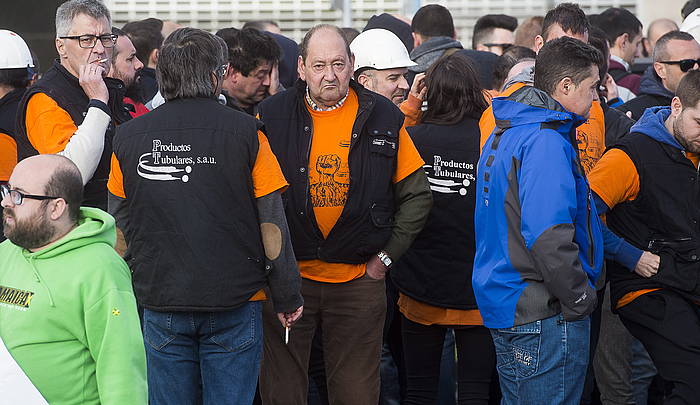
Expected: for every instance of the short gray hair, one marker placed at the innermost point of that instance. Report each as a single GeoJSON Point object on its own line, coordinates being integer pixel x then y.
{"type": "Point", "coordinates": [67, 11]}
{"type": "Point", "coordinates": [186, 61]}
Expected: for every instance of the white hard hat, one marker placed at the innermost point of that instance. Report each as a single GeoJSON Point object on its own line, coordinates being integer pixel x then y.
{"type": "Point", "coordinates": [379, 49]}
{"type": "Point", "coordinates": [14, 52]}
{"type": "Point", "coordinates": [691, 24]}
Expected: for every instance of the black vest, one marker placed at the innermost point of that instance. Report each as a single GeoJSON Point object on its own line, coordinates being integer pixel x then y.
{"type": "Point", "coordinates": [8, 111]}
{"type": "Point", "coordinates": [365, 225]}
{"type": "Point", "coordinates": [64, 88]}
{"type": "Point", "coordinates": [437, 268]}
{"type": "Point", "coordinates": [194, 235]}
{"type": "Point", "coordinates": [662, 219]}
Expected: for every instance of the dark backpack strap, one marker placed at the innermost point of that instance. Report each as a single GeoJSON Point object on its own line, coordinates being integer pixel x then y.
{"type": "Point", "coordinates": [618, 74]}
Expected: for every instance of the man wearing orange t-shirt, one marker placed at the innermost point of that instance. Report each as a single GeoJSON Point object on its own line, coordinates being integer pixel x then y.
{"type": "Point", "coordinates": [566, 20]}
{"type": "Point", "coordinates": [649, 184]}
{"type": "Point", "coordinates": [197, 191]}
{"type": "Point", "coordinates": [357, 198]}
{"type": "Point", "coordinates": [73, 109]}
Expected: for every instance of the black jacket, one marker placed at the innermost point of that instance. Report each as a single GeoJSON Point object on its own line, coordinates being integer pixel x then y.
{"type": "Point", "coordinates": [193, 234]}
{"type": "Point", "coordinates": [8, 111]}
{"type": "Point", "coordinates": [64, 88]}
{"type": "Point", "coordinates": [617, 124]}
{"type": "Point", "coordinates": [663, 218]}
{"type": "Point", "coordinates": [652, 93]}
{"type": "Point", "coordinates": [366, 222]}
{"type": "Point", "coordinates": [437, 268]}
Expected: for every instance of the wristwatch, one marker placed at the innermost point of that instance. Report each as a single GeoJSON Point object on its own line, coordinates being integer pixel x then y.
{"type": "Point", "coordinates": [385, 259]}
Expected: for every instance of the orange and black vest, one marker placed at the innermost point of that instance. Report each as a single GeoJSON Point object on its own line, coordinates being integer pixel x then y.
{"type": "Point", "coordinates": [64, 88]}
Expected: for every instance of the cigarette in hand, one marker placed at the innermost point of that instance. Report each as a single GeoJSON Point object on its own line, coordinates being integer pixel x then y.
{"type": "Point", "coordinates": [286, 335]}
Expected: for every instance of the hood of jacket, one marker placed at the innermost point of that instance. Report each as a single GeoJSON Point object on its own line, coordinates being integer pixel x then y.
{"type": "Point", "coordinates": [429, 51]}
{"type": "Point", "coordinates": [94, 226]}
{"type": "Point", "coordinates": [651, 84]}
{"type": "Point", "coordinates": [653, 125]}
{"type": "Point", "coordinates": [529, 105]}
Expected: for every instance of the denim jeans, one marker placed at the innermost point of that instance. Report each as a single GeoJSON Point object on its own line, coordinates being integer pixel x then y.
{"type": "Point", "coordinates": [543, 362]}
{"type": "Point", "coordinates": [203, 357]}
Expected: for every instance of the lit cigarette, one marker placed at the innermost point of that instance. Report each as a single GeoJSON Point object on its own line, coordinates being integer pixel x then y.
{"type": "Point", "coordinates": [286, 335]}
{"type": "Point", "coordinates": [99, 60]}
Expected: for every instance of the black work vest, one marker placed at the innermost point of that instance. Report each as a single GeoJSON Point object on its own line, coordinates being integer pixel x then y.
{"type": "Point", "coordinates": [366, 222]}
{"type": "Point", "coordinates": [437, 268]}
{"type": "Point", "coordinates": [8, 111]}
{"type": "Point", "coordinates": [65, 90]}
{"type": "Point", "coordinates": [193, 234]}
{"type": "Point", "coordinates": [662, 219]}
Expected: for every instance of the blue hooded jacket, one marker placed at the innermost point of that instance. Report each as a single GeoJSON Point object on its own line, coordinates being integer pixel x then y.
{"type": "Point", "coordinates": [539, 246]}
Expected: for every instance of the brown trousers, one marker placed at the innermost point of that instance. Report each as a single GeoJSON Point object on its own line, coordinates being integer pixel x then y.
{"type": "Point", "coordinates": [351, 318]}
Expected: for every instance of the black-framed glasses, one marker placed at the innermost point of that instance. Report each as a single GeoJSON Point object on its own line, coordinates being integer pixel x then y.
{"type": "Point", "coordinates": [17, 197]}
{"type": "Point", "coordinates": [503, 46]}
{"type": "Point", "coordinates": [89, 40]}
{"type": "Point", "coordinates": [685, 64]}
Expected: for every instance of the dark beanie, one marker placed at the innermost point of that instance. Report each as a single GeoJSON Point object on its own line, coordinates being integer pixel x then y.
{"type": "Point", "coordinates": [393, 24]}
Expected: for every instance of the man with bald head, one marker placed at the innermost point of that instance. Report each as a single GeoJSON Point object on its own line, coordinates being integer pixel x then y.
{"type": "Point", "coordinates": [357, 198]}
{"type": "Point", "coordinates": [657, 29]}
{"type": "Point", "coordinates": [68, 311]}
{"type": "Point", "coordinates": [675, 54]}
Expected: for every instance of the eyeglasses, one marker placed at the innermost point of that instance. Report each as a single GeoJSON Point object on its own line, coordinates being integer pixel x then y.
{"type": "Point", "coordinates": [18, 197]}
{"type": "Point", "coordinates": [89, 40]}
{"type": "Point", "coordinates": [221, 71]}
{"type": "Point", "coordinates": [685, 64]}
{"type": "Point", "coordinates": [504, 46]}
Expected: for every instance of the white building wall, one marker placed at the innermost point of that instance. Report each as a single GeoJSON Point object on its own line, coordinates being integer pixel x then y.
{"type": "Point", "coordinates": [295, 17]}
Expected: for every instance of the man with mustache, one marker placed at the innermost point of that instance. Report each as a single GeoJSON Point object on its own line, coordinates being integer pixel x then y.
{"type": "Point", "coordinates": [72, 110]}
{"type": "Point", "coordinates": [125, 66]}
{"type": "Point", "coordinates": [381, 63]}
{"type": "Point", "coordinates": [67, 309]}
{"type": "Point", "coordinates": [357, 198]}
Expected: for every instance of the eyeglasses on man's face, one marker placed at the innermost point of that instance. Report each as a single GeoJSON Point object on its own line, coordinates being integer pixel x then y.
{"type": "Point", "coordinates": [17, 197]}
{"type": "Point", "coordinates": [89, 40]}
{"type": "Point", "coordinates": [684, 64]}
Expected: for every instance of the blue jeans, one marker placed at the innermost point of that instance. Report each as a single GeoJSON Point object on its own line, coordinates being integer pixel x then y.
{"type": "Point", "coordinates": [543, 362]}
{"type": "Point", "coordinates": [203, 357]}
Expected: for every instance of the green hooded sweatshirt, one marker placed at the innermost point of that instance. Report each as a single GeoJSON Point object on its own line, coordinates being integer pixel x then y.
{"type": "Point", "coordinates": [68, 317]}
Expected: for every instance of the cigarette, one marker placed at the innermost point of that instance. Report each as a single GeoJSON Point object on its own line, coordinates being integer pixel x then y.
{"type": "Point", "coordinates": [286, 335]}
{"type": "Point", "coordinates": [99, 60]}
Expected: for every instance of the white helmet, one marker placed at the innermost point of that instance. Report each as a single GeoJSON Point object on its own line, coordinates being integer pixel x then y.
{"type": "Point", "coordinates": [379, 49]}
{"type": "Point", "coordinates": [14, 52]}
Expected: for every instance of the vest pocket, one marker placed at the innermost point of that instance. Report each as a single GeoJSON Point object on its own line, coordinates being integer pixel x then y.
{"type": "Point", "coordinates": [680, 263]}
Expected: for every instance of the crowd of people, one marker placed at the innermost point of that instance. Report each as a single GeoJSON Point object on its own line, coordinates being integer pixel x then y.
{"type": "Point", "coordinates": [376, 217]}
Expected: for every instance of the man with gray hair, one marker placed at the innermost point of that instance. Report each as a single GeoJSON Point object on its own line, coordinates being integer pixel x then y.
{"type": "Point", "coordinates": [357, 198]}
{"type": "Point", "coordinates": [73, 109]}
{"type": "Point", "coordinates": [197, 192]}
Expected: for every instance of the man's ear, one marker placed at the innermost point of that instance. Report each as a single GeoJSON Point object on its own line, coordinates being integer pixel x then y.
{"type": "Point", "coordinates": [621, 41]}
{"type": "Point", "coordinates": [57, 208]}
{"type": "Point", "coordinates": [539, 43]}
{"type": "Point", "coordinates": [660, 70]}
{"type": "Point", "coordinates": [676, 106]}
{"type": "Point", "coordinates": [300, 68]}
{"type": "Point", "coordinates": [362, 79]}
{"type": "Point", "coordinates": [565, 86]}
{"type": "Point", "coordinates": [417, 39]}
{"type": "Point", "coordinates": [153, 58]}
{"type": "Point", "coordinates": [61, 48]}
